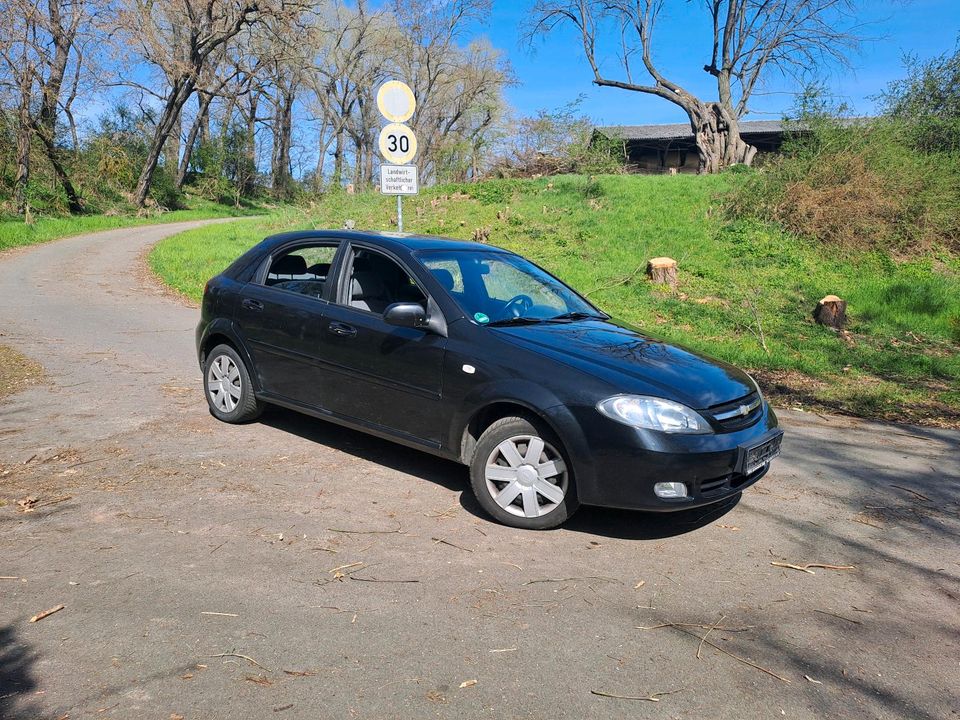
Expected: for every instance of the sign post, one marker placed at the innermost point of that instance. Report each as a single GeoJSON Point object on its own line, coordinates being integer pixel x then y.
{"type": "Point", "coordinates": [397, 143]}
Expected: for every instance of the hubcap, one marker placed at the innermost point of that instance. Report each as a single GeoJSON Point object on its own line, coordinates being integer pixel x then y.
{"type": "Point", "coordinates": [526, 476]}
{"type": "Point", "coordinates": [223, 383]}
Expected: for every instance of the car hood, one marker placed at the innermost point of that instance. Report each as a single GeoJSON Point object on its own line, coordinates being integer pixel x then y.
{"type": "Point", "coordinates": [634, 362]}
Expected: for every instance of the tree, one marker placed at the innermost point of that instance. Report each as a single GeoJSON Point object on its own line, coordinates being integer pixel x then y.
{"type": "Point", "coordinates": [451, 83]}
{"type": "Point", "coordinates": [178, 37]}
{"type": "Point", "coordinates": [749, 40]}
{"type": "Point", "coordinates": [39, 51]}
{"type": "Point", "coordinates": [928, 100]}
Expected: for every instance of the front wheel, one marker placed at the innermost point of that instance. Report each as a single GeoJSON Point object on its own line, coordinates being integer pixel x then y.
{"type": "Point", "coordinates": [520, 476]}
{"type": "Point", "coordinates": [226, 383]}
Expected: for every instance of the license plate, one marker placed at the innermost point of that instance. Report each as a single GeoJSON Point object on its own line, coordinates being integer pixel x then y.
{"type": "Point", "coordinates": [756, 457]}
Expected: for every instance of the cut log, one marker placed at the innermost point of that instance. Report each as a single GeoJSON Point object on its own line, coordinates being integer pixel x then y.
{"type": "Point", "coordinates": [663, 270]}
{"type": "Point", "coordinates": [832, 312]}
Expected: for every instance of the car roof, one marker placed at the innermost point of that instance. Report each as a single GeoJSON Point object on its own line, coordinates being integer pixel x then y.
{"type": "Point", "coordinates": [410, 242]}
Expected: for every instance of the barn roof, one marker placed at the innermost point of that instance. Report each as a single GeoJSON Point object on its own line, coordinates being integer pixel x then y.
{"type": "Point", "coordinates": [682, 131]}
{"type": "Point", "coordinates": [677, 131]}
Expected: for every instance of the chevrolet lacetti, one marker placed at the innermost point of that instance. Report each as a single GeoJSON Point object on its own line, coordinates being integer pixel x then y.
{"type": "Point", "coordinates": [476, 354]}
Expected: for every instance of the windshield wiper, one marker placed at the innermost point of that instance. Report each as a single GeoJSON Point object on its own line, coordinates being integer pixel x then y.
{"type": "Point", "coordinates": [577, 315]}
{"type": "Point", "coordinates": [515, 321]}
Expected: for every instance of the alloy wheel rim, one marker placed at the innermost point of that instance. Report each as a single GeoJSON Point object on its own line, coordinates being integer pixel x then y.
{"type": "Point", "coordinates": [526, 476]}
{"type": "Point", "coordinates": [223, 383]}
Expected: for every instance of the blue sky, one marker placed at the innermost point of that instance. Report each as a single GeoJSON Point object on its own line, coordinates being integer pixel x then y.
{"type": "Point", "coordinates": [555, 72]}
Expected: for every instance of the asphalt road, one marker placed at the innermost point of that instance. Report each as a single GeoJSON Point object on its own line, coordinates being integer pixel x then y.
{"type": "Point", "coordinates": [294, 569]}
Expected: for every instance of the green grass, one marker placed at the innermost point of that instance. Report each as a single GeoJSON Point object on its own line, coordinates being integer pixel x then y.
{"type": "Point", "coordinates": [15, 232]}
{"type": "Point", "coordinates": [743, 284]}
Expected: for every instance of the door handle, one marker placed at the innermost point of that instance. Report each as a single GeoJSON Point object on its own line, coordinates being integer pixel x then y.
{"type": "Point", "coordinates": [252, 304]}
{"type": "Point", "coordinates": [342, 329]}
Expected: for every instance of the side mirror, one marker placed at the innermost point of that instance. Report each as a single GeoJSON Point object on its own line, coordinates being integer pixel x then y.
{"type": "Point", "coordinates": [406, 314]}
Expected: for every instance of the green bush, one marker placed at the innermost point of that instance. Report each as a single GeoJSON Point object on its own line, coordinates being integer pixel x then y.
{"type": "Point", "coordinates": [858, 184]}
{"type": "Point", "coordinates": [891, 183]}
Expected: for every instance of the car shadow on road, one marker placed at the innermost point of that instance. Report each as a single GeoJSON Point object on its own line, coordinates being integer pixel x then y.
{"type": "Point", "coordinates": [638, 525]}
{"type": "Point", "coordinates": [16, 676]}
{"type": "Point", "coordinates": [622, 524]}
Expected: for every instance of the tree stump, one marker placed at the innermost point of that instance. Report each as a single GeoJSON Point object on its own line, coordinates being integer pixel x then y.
{"type": "Point", "coordinates": [662, 270]}
{"type": "Point", "coordinates": [350, 189]}
{"type": "Point", "coordinates": [832, 312]}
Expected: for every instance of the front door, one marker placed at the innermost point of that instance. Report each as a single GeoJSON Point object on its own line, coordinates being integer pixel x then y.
{"type": "Point", "coordinates": [379, 374]}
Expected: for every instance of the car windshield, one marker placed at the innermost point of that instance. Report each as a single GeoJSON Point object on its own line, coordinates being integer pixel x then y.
{"type": "Point", "coordinates": [500, 288]}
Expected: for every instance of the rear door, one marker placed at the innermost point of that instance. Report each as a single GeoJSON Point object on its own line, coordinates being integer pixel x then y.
{"type": "Point", "coordinates": [280, 317]}
{"type": "Point", "coordinates": [385, 376]}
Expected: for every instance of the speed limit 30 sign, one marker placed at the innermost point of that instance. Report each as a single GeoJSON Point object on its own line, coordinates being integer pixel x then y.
{"type": "Point", "coordinates": [398, 144]}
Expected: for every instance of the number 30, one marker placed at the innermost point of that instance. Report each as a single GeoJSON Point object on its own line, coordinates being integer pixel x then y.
{"type": "Point", "coordinates": [402, 142]}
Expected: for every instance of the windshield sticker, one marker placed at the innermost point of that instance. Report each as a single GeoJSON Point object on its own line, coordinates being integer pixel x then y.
{"type": "Point", "coordinates": [481, 318]}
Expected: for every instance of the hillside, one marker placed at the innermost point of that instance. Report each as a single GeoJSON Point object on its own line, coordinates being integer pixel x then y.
{"type": "Point", "coordinates": [746, 289]}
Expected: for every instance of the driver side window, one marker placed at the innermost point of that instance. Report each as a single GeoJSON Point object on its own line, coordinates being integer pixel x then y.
{"type": "Point", "coordinates": [377, 281]}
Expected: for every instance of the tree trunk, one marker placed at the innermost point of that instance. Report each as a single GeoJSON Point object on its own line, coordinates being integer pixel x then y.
{"type": "Point", "coordinates": [73, 198]}
{"type": "Point", "coordinates": [203, 116]}
{"type": "Point", "coordinates": [282, 140]}
{"type": "Point", "coordinates": [368, 162]}
{"type": "Point", "coordinates": [250, 155]}
{"type": "Point", "coordinates": [23, 166]}
{"type": "Point", "coordinates": [179, 94]}
{"type": "Point", "coordinates": [46, 127]}
{"type": "Point", "coordinates": [196, 131]}
{"type": "Point", "coordinates": [228, 109]}
{"type": "Point", "coordinates": [171, 148]}
{"type": "Point", "coordinates": [717, 135]}
{"type": "Point", "coordinates": [323, 145]}
{"type": "Point", "coordinates": [337, 178]}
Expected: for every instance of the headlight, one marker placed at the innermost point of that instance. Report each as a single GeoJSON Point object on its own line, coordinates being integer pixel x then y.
{"type": "Point", "coordinates": [654, 414]}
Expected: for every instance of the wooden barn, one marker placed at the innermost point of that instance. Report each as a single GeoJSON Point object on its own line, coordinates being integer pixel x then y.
{"type": "Point", "coordinates": [662, 148]}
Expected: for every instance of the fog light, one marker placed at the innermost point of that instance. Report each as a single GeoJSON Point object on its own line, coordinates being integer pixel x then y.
{"type": "Point", "coordinates": [670, 490]}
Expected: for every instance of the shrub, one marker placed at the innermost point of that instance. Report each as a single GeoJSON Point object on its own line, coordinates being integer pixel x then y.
{"type": "Point", "coordinates": [858, 184]}
{"type": "Point", "coordinates": [892, 183]}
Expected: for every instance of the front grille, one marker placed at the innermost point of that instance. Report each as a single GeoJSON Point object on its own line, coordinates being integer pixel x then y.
{"type": "Point", "coordinates": [733, 481]}
{"type": "Point", "coordinates": [708, 487]}
{"type": "Point", "coordinates": [737, 414]}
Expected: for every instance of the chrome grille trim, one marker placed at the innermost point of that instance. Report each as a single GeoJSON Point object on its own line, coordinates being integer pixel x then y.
{"type": "Point", "coordinates": [740, 412]}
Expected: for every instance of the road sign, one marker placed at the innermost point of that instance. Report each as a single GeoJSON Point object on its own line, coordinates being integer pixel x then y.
{"type": "Point", "coordinates": [398, 144]}
{"type": "Point", "coordinates": [399, 180]}
{"type": "Point", "coordinates": [395, 101]}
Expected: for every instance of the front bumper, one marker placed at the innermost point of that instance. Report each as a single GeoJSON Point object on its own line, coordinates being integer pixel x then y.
{"type": "Point", "coordinates": [617, 466]}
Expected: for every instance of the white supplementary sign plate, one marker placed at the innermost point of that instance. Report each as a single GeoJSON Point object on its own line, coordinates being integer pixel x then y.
{"type": "Point", "coordinates": [395, 101]}
{"type": "Point", "coordinates": [398, 144]}
{"type": "Point", "coordinates": [399, 180]}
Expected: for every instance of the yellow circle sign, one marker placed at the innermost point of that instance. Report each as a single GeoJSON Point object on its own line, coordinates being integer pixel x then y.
{"type": "Point", "coordinates": [398, 144]}
{"type": "Point", "coordinates": [395, 101]}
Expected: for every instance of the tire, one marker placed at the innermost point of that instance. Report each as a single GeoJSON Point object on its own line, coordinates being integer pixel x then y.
{"type": "Point", "coordinates": [510, 483]}
{"type": "Point", "coordinates": [236, 404]}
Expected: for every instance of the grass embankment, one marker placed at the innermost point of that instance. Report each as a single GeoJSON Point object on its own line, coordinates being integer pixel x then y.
{"type": "Point", "coordinates": [15, 232]}
{"type": "Point", "coordinates": [746, 289]}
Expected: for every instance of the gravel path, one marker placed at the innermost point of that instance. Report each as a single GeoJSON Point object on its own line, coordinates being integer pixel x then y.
{"type": "Point", "coordinates": [295, 569]}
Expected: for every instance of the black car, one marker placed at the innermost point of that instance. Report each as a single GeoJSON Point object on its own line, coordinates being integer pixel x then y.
{"type": "Point", "coordinates": [476, 354]}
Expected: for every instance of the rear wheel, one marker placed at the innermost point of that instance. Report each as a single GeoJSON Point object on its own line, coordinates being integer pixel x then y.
{"type": "Point", "coordinates": [226, 383]}
{"type": "Point", "coordinates": [520, 476]}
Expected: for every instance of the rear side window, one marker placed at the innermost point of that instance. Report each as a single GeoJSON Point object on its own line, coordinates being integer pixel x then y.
{"type": "Point", "coordinates": [303, 270]}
